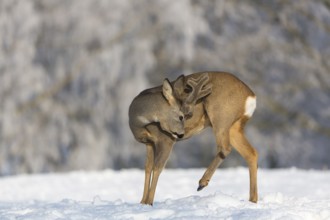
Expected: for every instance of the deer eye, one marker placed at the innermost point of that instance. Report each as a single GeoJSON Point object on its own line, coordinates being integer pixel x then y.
{"type": "Point", "coordinates": [187, 89]}
{"type": "Point", "coordinates": [181, 118]}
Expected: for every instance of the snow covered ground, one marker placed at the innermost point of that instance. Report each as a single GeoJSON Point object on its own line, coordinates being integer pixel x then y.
{"type": "Point", "coordinates": [283, 194]}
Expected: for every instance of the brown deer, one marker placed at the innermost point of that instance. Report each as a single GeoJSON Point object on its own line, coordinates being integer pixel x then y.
{"type": "Point", "coordinates": [216, 99]}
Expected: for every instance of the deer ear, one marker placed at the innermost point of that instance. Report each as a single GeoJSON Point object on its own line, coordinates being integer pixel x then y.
{"type": "Point", "coordinates": [178, 86]}
{"type": "Point", "coordinates": [168, 92]}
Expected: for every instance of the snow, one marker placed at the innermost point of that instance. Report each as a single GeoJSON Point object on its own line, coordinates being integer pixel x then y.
{"type": "Point", "coordinates": [108, 194]}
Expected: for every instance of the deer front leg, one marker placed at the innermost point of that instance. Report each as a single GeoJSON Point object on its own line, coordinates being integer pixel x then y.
{"type": "Point", "coordinates": [162, 154]}
{"type": "Point", "coordinates": [148, 169]}
{"type": "Point", "coordinates": [224, 149]}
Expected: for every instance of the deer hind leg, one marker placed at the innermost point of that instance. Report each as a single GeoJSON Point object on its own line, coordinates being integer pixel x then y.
{"type": "Point", "coordinates": [149, 164]}
{"type": "Point", "coordinates": [223, 150]}
{"type": "Point", "coordinates": [162, 154]}
{"type": "Point", "coordinates": [244, 148]}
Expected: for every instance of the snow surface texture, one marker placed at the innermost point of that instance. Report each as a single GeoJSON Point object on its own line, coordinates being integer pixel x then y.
{"type": "Point", "coordinates": [283, 194]}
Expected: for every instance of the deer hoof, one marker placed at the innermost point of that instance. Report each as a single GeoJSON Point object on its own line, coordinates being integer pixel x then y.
{"type": "Point", "coordinates": [202, 184]}
{"type": "Point", "coordinates": [200, 187]}
{"type": "Point", "coordinates": [145, 203]}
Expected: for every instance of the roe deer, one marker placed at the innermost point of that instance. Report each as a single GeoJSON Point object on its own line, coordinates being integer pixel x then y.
{"type": "Point", "coordinates": [225, 105]}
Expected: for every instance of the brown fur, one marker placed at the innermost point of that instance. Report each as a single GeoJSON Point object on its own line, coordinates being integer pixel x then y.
{"type": "Point", "coordinates": [223, 110]}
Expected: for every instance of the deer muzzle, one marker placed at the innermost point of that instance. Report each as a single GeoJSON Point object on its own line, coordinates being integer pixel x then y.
{"type": "Point", "coordinates": [177, 135]}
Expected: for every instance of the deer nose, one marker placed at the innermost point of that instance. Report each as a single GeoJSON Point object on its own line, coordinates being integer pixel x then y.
{"type": "Point", "coordinates": [178, 135]}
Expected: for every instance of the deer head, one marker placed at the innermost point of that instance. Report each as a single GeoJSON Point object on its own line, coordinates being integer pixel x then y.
{"type": "Point", "coordinates": [190, 90]}
{"type": "Point", "coordinates": [172, 118]}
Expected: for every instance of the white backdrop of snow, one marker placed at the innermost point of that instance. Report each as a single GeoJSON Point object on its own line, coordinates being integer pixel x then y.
{"type": "Point", "coordinates": [283, 194]}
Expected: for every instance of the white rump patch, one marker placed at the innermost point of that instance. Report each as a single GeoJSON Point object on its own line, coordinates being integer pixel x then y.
{"type": "Point", "coordinates": [250, 105]}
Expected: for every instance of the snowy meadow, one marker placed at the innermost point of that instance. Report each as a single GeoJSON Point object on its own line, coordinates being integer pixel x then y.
{"type": "Point", "coordinates": [70, 69]}
{"type": "Point", "coordinates": [283, 194]}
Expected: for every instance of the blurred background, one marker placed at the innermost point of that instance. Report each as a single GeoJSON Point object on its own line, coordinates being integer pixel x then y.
{"type": "Point", "coordinates": [69, 70]}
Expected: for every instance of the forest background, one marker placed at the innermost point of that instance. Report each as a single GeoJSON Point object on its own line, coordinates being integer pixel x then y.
{"type": "Point", "coordinates": [69, 70]}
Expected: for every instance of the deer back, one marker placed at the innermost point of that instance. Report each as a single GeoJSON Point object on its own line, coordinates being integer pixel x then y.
{"type": "Point", "coordinates": [226, 96]}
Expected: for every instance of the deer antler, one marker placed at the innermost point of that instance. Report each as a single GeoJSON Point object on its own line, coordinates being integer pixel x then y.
{"type": "Point", "coordinates": [200, 88]}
